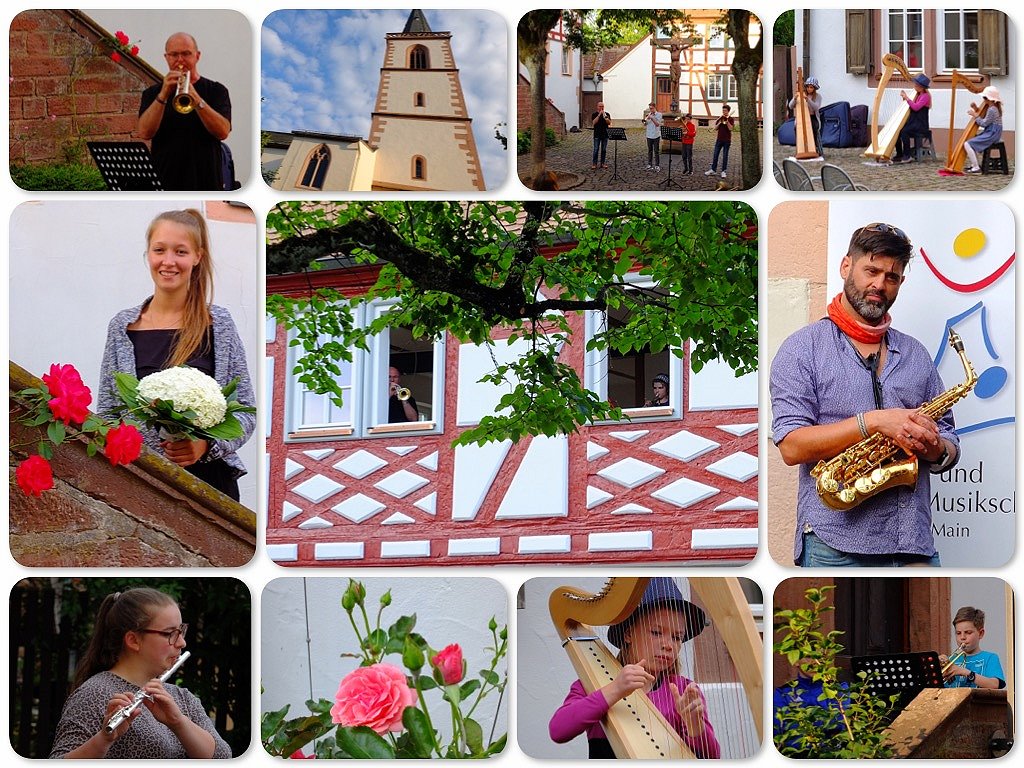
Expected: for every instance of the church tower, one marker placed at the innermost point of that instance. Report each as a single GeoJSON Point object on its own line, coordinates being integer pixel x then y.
{"type": "Point", "coordinates": [420, 126]}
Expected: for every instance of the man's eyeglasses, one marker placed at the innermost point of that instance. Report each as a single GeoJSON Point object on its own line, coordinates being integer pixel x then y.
{"type": "Point", "coordinates": [884, 228]}
{"type": "Point", "coordinates": [179, 54]}
{"type": "Point", "coordinates": [172, 635]}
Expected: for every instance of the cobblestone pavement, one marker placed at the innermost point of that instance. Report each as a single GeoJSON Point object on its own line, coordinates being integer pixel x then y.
{"type": "Point", "coordinates": [570, 159]}
{"type": "Point", "coordinates": [907, 177]}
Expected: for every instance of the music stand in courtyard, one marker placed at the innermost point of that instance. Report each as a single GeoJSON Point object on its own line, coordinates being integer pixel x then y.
{"type": "Point", "coordinates": [126, 166]}
{"type": "Point", "coordinates": [670, 134]}
{"type": "Point", "coordinates": [616, 135]}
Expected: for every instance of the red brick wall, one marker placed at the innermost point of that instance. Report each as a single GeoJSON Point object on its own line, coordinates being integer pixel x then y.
{"type": "Point", "coordinates": [524, 112]}
{"type": "Point", "coordinates": [64, 88]}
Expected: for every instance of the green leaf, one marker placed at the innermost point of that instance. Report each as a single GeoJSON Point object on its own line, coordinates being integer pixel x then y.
{"type": "Point", "coordinates": [412, 655]}
{"type": "Point", "coordinates": [490, 676]}
{"type": "Point", "coordinates": [56, 432]}
{"type": "Point", "coordinates": [45, 450]}
{"type": "Point", "coordinates": [497, 746]}
{"type": "Point", "coordinates": [418, 728]}
{"type": "Point", "coordinates": [474, 736]}
{"type": "Point", "coordinates": [467, 688]}
{"type": "Point", "coordinates": [362, 743]}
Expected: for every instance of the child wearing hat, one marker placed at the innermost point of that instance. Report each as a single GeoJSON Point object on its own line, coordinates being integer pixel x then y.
{"type": "Point", "coordinates": [659, 391]}
{"type": "Point", "coordinates": [917, 122]}
{"type": "Point", "coordinates": [989, 117]}
{"type": "Point", "coordinates": [649, 642]}
{"type": "Point", "coordinates": [812, 95]}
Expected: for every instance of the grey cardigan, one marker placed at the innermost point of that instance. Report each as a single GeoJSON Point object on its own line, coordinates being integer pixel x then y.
{"type": "Point", "coordinates": [228, 362]}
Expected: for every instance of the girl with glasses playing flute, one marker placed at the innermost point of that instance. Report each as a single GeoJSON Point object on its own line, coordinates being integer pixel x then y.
{"type": "Point", "coordinates": [137, 637]}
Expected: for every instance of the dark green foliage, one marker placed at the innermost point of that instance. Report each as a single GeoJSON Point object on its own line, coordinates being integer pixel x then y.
{"type": "Point", "coordinates": [57, 177]}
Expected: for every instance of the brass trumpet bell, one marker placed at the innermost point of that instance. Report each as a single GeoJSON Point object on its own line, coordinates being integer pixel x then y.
{"type": "Point", "coordinates": [184, 100]}
{"type": "Point", "coordinates": [403, 393]}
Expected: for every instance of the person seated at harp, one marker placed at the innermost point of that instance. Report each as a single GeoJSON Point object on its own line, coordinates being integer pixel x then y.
{"type": "Point", "coordinates": [812, 98]}
{"type": "Point", "coordinates": [989, 117]}
{"type": "Point", "coordinates": [916, 126]}
{"type": "Point", "coordinates": [122, 705]}
{"type": "Point", "coordinates": [969, 666]}
{"type": "Point", "coordinates": [850, 383]}
{"type": "Point", "coordinates": [401, 403]}
{"type": "Point", "coordinates": [649, 642]}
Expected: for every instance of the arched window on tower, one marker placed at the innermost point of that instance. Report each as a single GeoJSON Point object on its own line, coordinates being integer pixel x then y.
{"type": "Point", "coordinates": [317, 163]}
{"type": "Point", "coordinates": [419, 57]}
{"type": "Point", "coordinates": [419, 99]}
{"type": "Point", "coordinates": [419, 168]}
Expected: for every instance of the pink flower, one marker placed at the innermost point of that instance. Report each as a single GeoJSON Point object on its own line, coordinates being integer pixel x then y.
{"type": "Point", "coordinates": [298, 755]}
{"type": "Point", "coordinates": [34, 476]}
{"type": "Point", "coordinates": [124, 443]}
{"type": "Point", "coordinates": [115, 56]}
{"type": "Point", "coordinates": [449, 663]}
{"type": "Point", "coordinates": [70, 397]}
{"type": "Point", "coordinates": [374, 696]}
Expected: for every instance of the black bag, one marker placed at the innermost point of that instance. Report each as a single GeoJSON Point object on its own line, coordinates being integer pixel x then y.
{"type": "Point", "coordinates": [835, 125]}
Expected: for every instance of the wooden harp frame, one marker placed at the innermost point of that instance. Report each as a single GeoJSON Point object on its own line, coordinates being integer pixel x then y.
{"type": "Point", "coordinates": [956, 154]}
{"type": "Point", "coordinates": [806, 149]}
{"type": "Point", "coordinates": [883, 140]}
{"type": "Point", "coordinates": [634, 726]}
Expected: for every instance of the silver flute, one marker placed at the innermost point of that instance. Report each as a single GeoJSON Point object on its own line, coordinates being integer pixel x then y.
{"type": "Point", "coordinates": [125, 712]}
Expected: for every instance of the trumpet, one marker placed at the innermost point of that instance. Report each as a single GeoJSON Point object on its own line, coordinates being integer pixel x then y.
{"type": "Point", "coordinates": [954, 657]}
{"type": "Point", "coordinates": [125, 712]}
{"type": "Point", "coordinates": [403, 393]}
{"type": "Point", "coordinates": [184, 100]}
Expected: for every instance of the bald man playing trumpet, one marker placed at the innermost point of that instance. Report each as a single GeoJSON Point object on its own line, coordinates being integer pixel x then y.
{"type": "Point", "coordinates": [186, 117]}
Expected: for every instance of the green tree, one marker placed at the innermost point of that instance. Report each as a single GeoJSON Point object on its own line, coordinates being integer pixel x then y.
{"type": "Point", "coordinates": [784, 31]}
{"type": "Point", "coordinates": [747, 63]}
{"type": "Point", "coordinates": [468, 268]}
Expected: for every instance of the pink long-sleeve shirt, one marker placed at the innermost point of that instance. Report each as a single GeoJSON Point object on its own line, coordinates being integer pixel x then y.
{"type": "Point", "coordinates": [582, 712]}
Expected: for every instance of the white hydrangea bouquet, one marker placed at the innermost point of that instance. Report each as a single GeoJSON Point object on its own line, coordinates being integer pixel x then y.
{"type": "Point", "coordinates": [183, 403]}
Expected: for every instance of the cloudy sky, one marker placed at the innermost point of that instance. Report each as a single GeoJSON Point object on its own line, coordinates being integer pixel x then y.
{"type": "Point", "coordinates": [321, 70]}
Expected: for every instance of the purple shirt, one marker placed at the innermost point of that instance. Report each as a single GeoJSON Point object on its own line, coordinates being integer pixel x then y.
{"type": "Point", "coordinates": [583, 712]}
{"type": "Point", "coordinates": [817, 378]}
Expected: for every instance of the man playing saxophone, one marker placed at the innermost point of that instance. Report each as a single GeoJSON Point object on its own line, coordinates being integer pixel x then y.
{"type": "Point", "coordinates": [836, 383]}
{"type": "Point", "coordinates": [186, 117]}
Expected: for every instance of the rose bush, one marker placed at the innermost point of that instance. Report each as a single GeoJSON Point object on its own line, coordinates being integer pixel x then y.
{"type": "Point", "coordinates": [374, 696]}
{"type": "Point", "coordinates": [34, 475]}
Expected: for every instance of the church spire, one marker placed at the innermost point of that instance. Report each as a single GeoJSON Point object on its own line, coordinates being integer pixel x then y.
{"type": "Point", "coordinates": [417, 24]}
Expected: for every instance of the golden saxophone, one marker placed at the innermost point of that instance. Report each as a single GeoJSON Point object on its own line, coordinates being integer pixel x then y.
{"type": "Point", "coordinates": [878, 463]}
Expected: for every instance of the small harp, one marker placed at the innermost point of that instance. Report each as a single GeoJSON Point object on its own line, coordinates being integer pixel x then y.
{"type": "Point", "coordinates": [956, 154]}
{"type": "Point", "coordinates": [883, 140]}
{"type": "Point", "coordinates": [634, 726]}
{"type": "Point", "coordinates": [805, 146]}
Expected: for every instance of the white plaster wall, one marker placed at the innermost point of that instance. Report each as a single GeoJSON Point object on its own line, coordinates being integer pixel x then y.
{"type": "Point", "coordinates": [989, 595]}
{"type": "Point", "coordinates": [448, 164]}
{"type": "Point", "coordinates": [225, 40]}
{"type": "Point", "coordinates": [73, 265]}
{"type": "Point", "coordinates": [340, 173]}
{"type": "Point", "coordinates": [437, 89]}
{"type": "Point", "coordinates": [628, 84]}
{"type": "Point", "coordinates": [563, 90]}
{"type": "Point", "coordinates": [304, 630]}
{"type": "Point", "coordinates": [717, 386]}
{"type": "Point", "coordinates": [828, 64]}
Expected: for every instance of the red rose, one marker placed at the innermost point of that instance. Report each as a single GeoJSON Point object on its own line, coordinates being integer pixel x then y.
{"type": "Point", "coordinates": [34, 476]}
{"type": "Point", "coordinates": [122, 38]}
{"type": "Point", "coordinates": [449, 663]}
{"type": "Point", "coordinates": [124, 443]}
{"type": "Point", "coordinates": [297, 755]}
{"type": "Point", "coordinates": [135, 50]}
{"type": "Point", "coordinates": [115, 56]}
{"type": "Point", "coordinates": [70, 398]}
{"type": "Point", "coordinates": [374, 696]}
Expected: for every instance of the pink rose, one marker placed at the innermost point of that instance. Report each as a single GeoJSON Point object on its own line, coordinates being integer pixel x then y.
{"type": "Point", "coordinates": [449, 663]}
{"type": "Point", "coordinates": [34, 476]}
{"type": "Point", "coordinates": [70, 398]}
{"type": "Point", "coordinates": [374, 696]}
{"type": "Point", "coordinates": [122, 38]}
{"type": "Point", "coordinates": [124, 443]}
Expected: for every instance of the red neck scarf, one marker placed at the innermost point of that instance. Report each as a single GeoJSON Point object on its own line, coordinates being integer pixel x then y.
{"type": "Point", "coordinates": [854, 328]}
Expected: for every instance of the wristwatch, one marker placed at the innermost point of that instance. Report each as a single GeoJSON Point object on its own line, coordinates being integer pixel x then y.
{"type": "Point", "coordinates": [201, 104]}
{"type": "Point", "coordinates": [971, 677]}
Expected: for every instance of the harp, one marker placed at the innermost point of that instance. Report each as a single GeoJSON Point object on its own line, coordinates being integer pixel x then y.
{"type": "Point", "coordinates": [883, 140]}
{"type": "Point", "coordinates": [805, 147]}
{"type": "Point", "coordinates": [634, 726]}
{"type": "Point", "coordinates": [955, 154]}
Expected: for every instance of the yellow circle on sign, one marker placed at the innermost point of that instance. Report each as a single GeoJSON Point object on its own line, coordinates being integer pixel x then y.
{"type": "Point", "coordinates": [969, 243]}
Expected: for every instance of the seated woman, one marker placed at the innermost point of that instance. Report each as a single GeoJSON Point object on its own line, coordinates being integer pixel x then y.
{"type": "Point", "coordinates": [917, 124]}
{"type": "Point", "coordinates": [138, 635]}
{"type": "Point", "coordinates": [989, 117]}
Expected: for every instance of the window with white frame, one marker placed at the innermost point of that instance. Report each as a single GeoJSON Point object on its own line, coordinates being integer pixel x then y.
{"type": "Point", "coordinates": [905, 35]}
{"type": "Point", "coordinates": [395, 387]}
{"type": "Point", "coordinates": [566, 60]}
{"type": "Point", "coordinates": [959, 35]}
{"type": "Point", "coordinates": [733, 92]}
{"type": "Point", "coordinates": [633, 381]}
{"type": "Point", "coordinates": [715, 87]}
{"type": "Point", "coordinates": [718, 39]}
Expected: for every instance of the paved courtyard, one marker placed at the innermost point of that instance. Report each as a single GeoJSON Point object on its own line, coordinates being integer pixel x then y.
{"type": "Point", "coordinates": [570, 160]}
{"type": "Point", "coordinates": [906, 177]}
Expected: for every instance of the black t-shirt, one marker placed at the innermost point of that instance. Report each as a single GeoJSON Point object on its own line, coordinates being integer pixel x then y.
{"type": "Point", "coordinates": [186, 155]}
{"type": "Point", "coordinates": [153, 349]}
{"type": "Point", "coordinates": [601, 126]}
{"type": "Point", "coordinates": [396, 410]}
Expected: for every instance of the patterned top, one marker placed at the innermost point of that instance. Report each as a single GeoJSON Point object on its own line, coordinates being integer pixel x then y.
{"type": "Point", "coordinates": [817, 377]}
{"type": "Point", "coordinates": [146, 738]}
{"type": "Point", "coordinates": [990, 128]}
{"type": "Point", "coordinates": [229, 362]}
{"type": "Point", "coordinates": [984, 663]}
{"type": "Point", "coordinates": [583, 712]}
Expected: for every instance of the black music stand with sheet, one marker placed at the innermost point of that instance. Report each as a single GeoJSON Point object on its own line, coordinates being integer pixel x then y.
{"type": "Point", "coordinates": [906, 674]}
{"type": "Point", "coordinates": [670, 134]}
{"type": "Point", "coordinates": [126, 166]}
{"type": "Point", "coordinates": [616, 135]}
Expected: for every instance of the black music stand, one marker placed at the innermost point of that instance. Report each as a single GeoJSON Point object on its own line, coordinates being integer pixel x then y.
{"type": "Point", "coordinates": [616, 135]}
{"type": "Point", "coordinates": [906, 674]}
{"type": "Point", "coordinates": [670, 134]}
{"type": "Point", "coordinates": [126, 166]}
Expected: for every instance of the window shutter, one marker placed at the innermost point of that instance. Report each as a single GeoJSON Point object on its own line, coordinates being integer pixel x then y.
{"type": "Point", "coordinates": [992, 45]}
{"type": "Point", "coordinates": [858, 41]}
